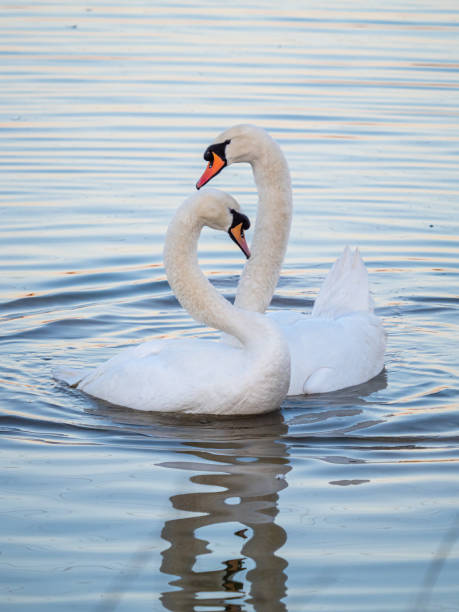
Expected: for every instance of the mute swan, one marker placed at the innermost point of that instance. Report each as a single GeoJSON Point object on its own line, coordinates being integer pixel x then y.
{"type": "Point", "coordinates": [342, 342]}
{"type": "Point", "coordinates": [193, 375]}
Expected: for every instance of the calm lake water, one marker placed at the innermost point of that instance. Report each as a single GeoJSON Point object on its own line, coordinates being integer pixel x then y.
{"type": "Point", "coordinates": [346, 501]}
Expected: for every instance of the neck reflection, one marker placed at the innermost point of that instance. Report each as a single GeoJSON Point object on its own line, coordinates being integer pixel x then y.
{"type": "Point", "coordinates": [248, 466]}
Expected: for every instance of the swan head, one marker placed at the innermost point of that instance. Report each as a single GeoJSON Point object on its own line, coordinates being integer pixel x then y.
{"type": "Point", "coordinates": [220, 211]}
{"type": "Point", "coordinates": [240, 143]}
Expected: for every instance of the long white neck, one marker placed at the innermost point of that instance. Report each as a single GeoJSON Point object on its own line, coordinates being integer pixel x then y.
{"type": "Point", "coordinates": [194, 291]}
{"type": "Point", "coordinates": [264, 373]}
{"type": "Point", "coordinates": [272, 227]}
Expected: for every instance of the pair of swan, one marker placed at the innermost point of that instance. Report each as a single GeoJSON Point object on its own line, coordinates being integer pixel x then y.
{"type": "Point", "coordinates": [340, 344]}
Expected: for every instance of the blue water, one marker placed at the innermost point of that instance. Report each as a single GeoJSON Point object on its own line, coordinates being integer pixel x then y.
{"type": "Point", "coordinates": [345, 501]}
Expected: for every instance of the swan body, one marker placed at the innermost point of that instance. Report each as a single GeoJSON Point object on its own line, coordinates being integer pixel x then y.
{"type": "Point", "coordinates": [194, 375]}
{"type": "Point", "coordinates": [341, 343]}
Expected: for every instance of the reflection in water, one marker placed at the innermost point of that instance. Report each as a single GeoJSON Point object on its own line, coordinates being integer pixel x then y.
{"type": "Point", "coordinates": [252, 474]}
{"type": "Point", "coordinates": [341, 411]}
{"type": "Point", "coordinates": [240, 465]}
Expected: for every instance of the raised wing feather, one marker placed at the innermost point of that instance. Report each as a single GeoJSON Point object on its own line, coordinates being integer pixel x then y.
{"type": "Point", "coordinates": [345, 288]}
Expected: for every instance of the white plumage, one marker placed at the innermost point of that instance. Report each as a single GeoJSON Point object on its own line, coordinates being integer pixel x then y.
{"type": "Point", "coordinates": [194, 375]}
{"type": "Point", "coordinates": [342, 342]}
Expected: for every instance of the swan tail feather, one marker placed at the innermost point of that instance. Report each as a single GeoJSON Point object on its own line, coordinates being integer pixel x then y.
{"type": "Point", "coordinates": [70, 376]}
{"type": "Point", "coordinates": [345, 288]}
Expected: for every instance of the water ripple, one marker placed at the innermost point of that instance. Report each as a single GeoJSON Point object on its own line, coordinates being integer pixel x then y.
{"type": "Point", "coordinates": [105, 112]}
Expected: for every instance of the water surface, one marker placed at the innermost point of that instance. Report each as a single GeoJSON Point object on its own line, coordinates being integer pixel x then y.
{"type": "Point", "coordinates": [345, 501]}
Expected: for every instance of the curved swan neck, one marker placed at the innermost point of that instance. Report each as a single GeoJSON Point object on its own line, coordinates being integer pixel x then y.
{"type": "Point", "coordinates": [192, 288]}
{"type": "Point", "coordinates": [272, 227]}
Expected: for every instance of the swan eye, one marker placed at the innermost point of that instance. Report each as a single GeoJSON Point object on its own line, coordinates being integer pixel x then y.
{"type": "Point", "coordinates": [217, 149]}
{"type": "Point", "coordinates": [240, 219]}
{"type": "Point", "coordinates": [208, 155]}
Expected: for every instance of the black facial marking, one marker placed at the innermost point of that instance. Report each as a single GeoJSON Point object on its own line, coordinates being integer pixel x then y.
{"type": "Point", "coordinates": [218, 149]}
{"type": "Point", "coordinates": [239, 218]}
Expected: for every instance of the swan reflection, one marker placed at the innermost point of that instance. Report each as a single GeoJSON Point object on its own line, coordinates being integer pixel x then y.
{"type": "Point", "coordinates": [221, 549]}
{"type": "Point", "coordinates": [250, 475]}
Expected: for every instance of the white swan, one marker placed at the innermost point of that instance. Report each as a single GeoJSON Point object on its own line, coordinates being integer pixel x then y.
{"type": "Point", "coordinates": [342, 342]}
{"type": "Point", "coordinates": [194, 375]}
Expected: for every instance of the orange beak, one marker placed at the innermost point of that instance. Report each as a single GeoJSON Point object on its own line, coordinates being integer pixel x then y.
{"type": "Point", "coordinates": [213, 168]}
{"type": "Point", "coordinates": [237, 234]}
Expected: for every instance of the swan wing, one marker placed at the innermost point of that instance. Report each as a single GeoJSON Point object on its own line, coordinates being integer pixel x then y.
{"type": "Point", "coordinates": [342, 342]}
{"type": "Point", "coordinates": [345, 288]}
{"type": "Point", "coordinates": [74, 376]}
{"type": "Point", "coordinates": [330, 354]}
{"type": "Point", "coordinates": [179, 375]}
